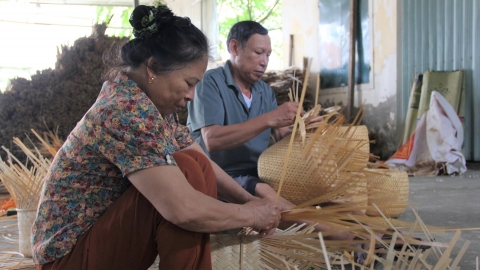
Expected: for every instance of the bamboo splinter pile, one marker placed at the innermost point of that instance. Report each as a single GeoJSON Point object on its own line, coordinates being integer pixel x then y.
{"type": "Point", "coordinates": [329, 164]}
{"type": "Point", "coordinates": [300, 248]}
{"type": "Point", "coordinates": [22, 182]}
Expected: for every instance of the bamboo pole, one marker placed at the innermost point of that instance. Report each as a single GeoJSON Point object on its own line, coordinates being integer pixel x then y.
{"type": "Point", "coordinates": [351, 62]}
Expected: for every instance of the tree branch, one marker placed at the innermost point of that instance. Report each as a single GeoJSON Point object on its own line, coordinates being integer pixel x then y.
{"type": "Point", "coordinates": [249, 8]}
{"type": "Point", "coordinates": [273, 29]}
{"type": "Point", "coordinates": [269, 12]}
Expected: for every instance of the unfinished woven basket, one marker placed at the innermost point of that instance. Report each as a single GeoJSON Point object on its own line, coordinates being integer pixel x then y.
{"type": "Point", "coordinates": [388, 189]}
{"type": "Point", "coordinates": [330, 164]}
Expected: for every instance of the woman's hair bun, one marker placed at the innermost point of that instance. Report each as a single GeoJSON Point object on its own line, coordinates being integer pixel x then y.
{"type": "Point", "coordinates": [145, 20]}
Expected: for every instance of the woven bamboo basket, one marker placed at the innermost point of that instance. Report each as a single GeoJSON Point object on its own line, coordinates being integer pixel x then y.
{"type": "Point", "coordinates": [388, 189]}
{"type": "Point", "coordinates": [331, 163]}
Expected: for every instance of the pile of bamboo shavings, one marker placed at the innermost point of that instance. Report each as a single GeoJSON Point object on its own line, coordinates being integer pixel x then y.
{"type": "Point", "coordinates": [347, 163]}
{"type": "Point", "coordinates": [281, 81]}
{"type": "Point", "coordinates": [50, 142]}
{"type": "Point", "coordinates": [300, 248]}
{"type": "Point", "coordinates": [24, 182]}
{"type": "Point", "coordinates": [11, 260]}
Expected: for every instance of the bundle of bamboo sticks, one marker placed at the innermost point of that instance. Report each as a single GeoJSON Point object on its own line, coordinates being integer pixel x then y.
{"type": "Point", "coordinates": [23, 182]}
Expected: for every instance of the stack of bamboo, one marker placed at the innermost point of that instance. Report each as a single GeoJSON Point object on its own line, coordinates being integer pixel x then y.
{"type": "Point", "coordinates": [58, 97]}
{"type": "Point", "coordinates": [281, 81]}
{"type": "Point", "coordinates": [24, 183]}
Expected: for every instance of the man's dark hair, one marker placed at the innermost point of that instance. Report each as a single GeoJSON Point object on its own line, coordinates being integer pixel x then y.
{"type": "Point", "coordinates": [242, 31]}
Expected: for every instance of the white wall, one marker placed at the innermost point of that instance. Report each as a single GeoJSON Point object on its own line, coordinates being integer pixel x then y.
{"type": "Point", "coordinates": [187, 8]}
{"type": "Point", "coordinates": [202, 13]}
{"type": "Point", "coordinates": [300, 18]}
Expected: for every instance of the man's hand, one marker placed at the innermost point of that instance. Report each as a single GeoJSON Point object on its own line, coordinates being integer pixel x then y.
{"type": "Point", "coordinates": [284, 115]}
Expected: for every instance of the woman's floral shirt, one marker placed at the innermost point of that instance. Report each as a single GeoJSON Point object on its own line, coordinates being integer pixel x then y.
{"type": "Point", "coordinates": [121, 133]}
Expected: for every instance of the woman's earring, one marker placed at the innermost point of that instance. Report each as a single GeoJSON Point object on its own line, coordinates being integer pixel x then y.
{"type": "Point", "coordinates": [151, 80]}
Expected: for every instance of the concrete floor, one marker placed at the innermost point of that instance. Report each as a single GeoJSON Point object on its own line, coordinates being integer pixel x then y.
{"type": "Point", "coordinates": [452, 202]}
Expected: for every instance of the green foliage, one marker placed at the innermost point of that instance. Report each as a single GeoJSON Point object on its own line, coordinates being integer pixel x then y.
{"type": "Point", "coordinates": [266, 12]}
{"type": "Point", "coordinates": [116, 19]}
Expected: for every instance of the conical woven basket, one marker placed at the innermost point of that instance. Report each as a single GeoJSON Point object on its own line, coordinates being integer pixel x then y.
{"type": "Point", "coordinates": [388, 189]}
{"type": "Point", "coordinates": [330, 164]}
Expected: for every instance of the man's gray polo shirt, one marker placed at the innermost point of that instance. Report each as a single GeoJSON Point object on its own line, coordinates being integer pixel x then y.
{"type": "Point", "coordinates": [219, 101]}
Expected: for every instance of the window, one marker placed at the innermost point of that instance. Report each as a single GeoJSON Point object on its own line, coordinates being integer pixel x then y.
{"type": "Point", "coordinates": [334, 43]}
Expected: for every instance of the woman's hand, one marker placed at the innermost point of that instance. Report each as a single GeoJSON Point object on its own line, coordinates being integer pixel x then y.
{"type": "Point", "coordinates": [266, 215]}
{"type": "Point", "coordinates": [263, 190]}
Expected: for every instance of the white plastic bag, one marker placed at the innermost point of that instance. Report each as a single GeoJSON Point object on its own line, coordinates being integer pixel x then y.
{"type": "Point", "coordinates": [436, 142]}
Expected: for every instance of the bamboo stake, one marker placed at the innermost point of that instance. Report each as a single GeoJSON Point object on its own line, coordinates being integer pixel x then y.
{"type": "Point", "coordinates": [351, 62]}
{"type": "Point", "coordinates": [324, 249]}
{"type": "Point", "coordinates": [460, 254]}
{"type": "Point", "coordinates": [307, 75]}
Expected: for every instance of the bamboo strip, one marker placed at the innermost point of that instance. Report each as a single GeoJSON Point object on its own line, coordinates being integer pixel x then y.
{"type": "Point", "coordinates": [446, 255]}
{"type": "Point", "coordinates": [324, 251]}
{"type": "Point", "coordinates": [460, 254]}
{"type": "Point", "coordinates": [307, 75]}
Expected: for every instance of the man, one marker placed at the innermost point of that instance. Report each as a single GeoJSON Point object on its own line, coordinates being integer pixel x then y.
{"type": "Point", "coordinates": [234, 113]}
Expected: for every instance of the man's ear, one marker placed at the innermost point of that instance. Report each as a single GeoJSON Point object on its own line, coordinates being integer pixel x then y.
{"type": "Point", "coordinates": [234, 46]}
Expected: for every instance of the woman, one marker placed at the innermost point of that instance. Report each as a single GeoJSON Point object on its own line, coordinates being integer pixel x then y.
{"type": "Point", "coordinates": [129, 183]}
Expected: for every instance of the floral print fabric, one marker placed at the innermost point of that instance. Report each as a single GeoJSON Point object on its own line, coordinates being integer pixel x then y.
{"type": "Point", "coordinates": [121, 133]}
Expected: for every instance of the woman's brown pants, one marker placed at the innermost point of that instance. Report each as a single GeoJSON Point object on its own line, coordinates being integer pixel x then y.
{"type": "Point", "coordinates": [131, 233]}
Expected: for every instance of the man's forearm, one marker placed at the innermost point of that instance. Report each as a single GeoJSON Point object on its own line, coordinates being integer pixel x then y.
{"type": "Point", "coordinates": [219, 138]}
